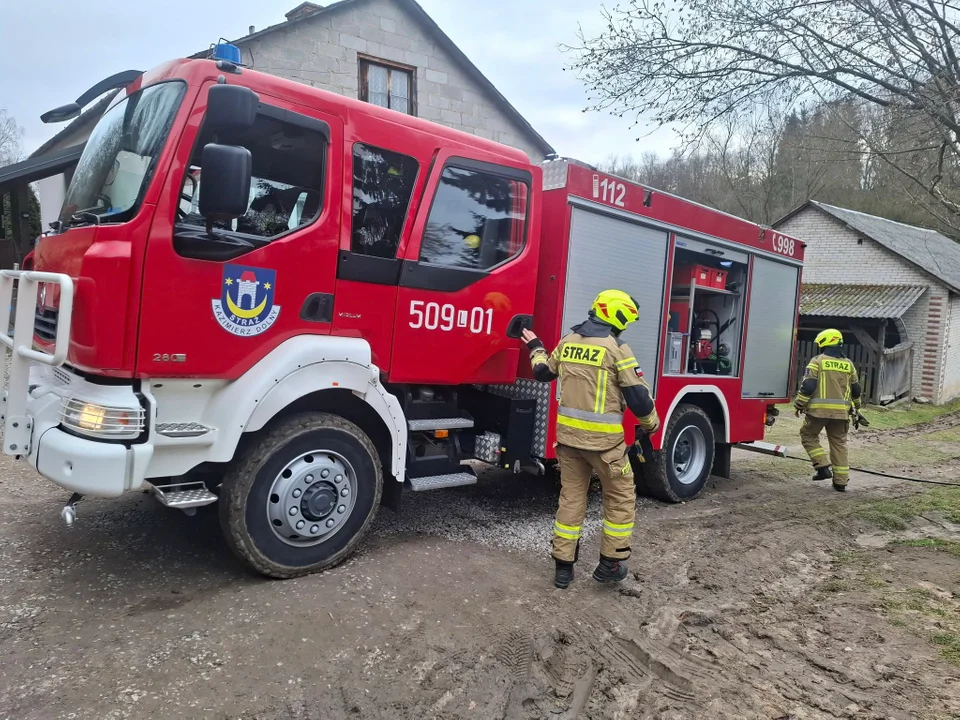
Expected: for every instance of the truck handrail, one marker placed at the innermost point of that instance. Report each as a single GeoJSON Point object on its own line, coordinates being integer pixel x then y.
{"type": "Point", "coordinates": [18, 430]}
{"type": "Point", "coordinates": [33, 279]}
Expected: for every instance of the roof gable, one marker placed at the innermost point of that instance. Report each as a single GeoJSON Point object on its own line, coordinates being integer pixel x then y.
{"type": "Point", "coordinates": [411, 7]}
{"type": "Point", "coordinates": [929, 250]}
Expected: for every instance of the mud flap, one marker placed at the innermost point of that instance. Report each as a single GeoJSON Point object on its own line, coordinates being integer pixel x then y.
{"type": "Point", "coordinates": [392, 493]}
{"type": "Point", "coordinates": [721, 460]}
{"type": "Point", "coordinates": [641, 453]}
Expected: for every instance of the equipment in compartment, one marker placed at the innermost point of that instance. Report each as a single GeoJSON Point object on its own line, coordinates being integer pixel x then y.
{"type": "Point", "coordinates": [705, 313]}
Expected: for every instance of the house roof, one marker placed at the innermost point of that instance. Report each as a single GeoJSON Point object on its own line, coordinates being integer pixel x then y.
{"type": "Point", "coordinates": [858, 301]}
{"type": "Point", "coordinates": [37, 167]}
{"type": "Point", "coordinates": [305, 12]}
{"type": "Point", "coordinates": [932, 252]}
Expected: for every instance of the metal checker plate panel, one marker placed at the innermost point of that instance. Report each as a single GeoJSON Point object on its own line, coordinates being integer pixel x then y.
{"type": "Point", "coordinates": [524, 389]}
{"type": "Point", "coordinates": [438, 482]}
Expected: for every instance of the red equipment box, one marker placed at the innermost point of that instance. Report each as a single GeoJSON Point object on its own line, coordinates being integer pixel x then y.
{"type": "Point", "coordinates": [718, 278]}
{"type": "Point", "coordinates": [693, 275]}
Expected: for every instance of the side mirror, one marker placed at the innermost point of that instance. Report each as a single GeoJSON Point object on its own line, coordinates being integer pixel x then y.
{"type": "Point", "coordinates": [231, 107]}
{"type": "Point", "coordinates": [225, 191]}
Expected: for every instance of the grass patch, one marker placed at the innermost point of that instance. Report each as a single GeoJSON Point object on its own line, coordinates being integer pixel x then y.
{"type": "Point", "coordinates": [916, 452]}
{"type": "Point", "coordinates": [850, 557]}
{"type": "Point", "coordinates": [932, 617]}
{"type": "Point", "coordinates": [951, 435]}
{"type": "Point", "coordinates": [908, 414]}
{"type": "Point", "coordinates": [928, 616]}
{"type": "Point", "coordinates": [951, 547]}
{"type": "Point", "coordinates": [835, 586]}
{"type": "Point", "coordinates": [901, 416]}
{"type": "Point", "coordinates": [949, 644]}
{"type": "Point", "coordinates": [895, 513]}
{"type": "Point", "coordinates": [919, 451]}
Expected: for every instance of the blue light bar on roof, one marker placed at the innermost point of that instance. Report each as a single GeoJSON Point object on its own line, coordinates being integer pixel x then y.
{"type": "Point", "coordinates": [228, 52]}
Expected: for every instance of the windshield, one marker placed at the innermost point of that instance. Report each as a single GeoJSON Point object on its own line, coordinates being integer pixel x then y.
{"type": "Point", "coordinates": [121, 155]}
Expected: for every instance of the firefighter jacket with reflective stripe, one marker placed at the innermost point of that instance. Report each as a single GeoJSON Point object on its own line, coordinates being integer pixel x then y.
{"type": "Point", "coordinates": [597, 377]}
{"type": "Point", "coordinates": [830, 387]}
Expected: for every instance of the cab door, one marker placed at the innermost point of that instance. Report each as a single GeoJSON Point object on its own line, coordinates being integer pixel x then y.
{"type": "Point", "coordinates": [469, 273]}
{"type": "Point", "coordinates": [385, 185]}
{"type": "Point", "coordinates": [214, 303]}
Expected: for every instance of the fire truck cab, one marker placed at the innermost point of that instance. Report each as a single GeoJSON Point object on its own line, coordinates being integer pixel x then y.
{"type": "Point", "coordinates": [297, 304]}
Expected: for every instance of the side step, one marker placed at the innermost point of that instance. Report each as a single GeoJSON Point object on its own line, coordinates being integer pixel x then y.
{"type": "Point", "coordinates": [764, 448]}
{"type": "Point", "coordinates": [456, 423]}
{"type": "Point", "coordinates": [437, 482]}
{"type": "Point", "coordinates": [184, 496]}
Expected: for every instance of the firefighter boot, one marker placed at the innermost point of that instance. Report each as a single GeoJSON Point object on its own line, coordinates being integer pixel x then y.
{"type": "Point", "coordinates": [839, 488]}
{"type": "Point", "coordinates": [564, 575]}
{"type": "Point", "coordinates": [823, 473]}
{"type": "Point", "coordinates": [610, 571]}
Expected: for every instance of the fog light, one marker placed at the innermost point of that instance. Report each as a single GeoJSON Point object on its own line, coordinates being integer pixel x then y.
{"type": "Point", "coordinates": [101, 420]}
{"type": "Point", "coordinates": [90, 417]}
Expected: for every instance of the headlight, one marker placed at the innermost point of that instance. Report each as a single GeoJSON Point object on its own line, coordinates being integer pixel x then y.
{"type": "Point", "coordinates": [101, 421]}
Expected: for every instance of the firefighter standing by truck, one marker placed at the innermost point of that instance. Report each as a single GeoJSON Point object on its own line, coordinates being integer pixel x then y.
{"type": "Point", "coordinates": [829, 394]}
{"type": "Point", "coordinates": [597, 374]}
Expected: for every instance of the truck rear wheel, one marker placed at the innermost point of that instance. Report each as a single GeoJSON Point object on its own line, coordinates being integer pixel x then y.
{"type": "Point", "coordinates": [300, 498]}
{"type": "Point", "coordinates": [679, 470]}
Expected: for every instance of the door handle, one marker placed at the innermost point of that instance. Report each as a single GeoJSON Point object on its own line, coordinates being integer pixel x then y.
{"type": "Point", "coordinates": [518, 324]}
{"type": "Point", "coordinates": [318, 307]}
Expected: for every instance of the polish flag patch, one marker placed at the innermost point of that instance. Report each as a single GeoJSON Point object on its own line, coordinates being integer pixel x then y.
{"type": "Point", "coordinates": [639, 371]}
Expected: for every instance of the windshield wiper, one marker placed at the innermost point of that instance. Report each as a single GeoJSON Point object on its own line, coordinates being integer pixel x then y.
{"type": "Point", "coordinates": [83, 217]}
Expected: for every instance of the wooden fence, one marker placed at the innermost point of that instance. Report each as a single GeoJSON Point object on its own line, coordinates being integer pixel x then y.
{"type": "Point", "coordinates": [884, 377]}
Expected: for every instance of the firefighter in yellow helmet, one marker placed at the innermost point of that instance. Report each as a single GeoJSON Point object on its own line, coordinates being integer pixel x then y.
{"type": "Point", "coordinates": [598, 376]}
{"type": "Point", "coordinates": [829, 392]}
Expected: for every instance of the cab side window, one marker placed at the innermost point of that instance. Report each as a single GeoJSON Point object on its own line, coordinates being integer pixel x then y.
{"type": "Point", "coordinates": [478, 220]}
{"type": "Point", "coordinates": [287, 186]}
{"type": "Point", "coordinates": [382, 185]}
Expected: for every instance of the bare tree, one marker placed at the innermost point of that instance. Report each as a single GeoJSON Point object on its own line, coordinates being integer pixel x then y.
{"type": "Point", "coordinates": [688, 64]}
{"type": "Point", "coordinates": [10, 134]}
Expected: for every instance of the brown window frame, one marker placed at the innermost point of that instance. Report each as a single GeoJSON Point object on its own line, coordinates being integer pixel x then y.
{"type": "Point", "coordinates": [364, 61]}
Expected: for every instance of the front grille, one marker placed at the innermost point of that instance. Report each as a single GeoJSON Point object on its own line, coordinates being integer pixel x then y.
{"type": "Point", "coordinates": [45, 324]}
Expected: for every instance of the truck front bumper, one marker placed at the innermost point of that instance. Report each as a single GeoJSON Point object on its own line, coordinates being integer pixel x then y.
{"type": "Point", "coordinates": [89, 466]}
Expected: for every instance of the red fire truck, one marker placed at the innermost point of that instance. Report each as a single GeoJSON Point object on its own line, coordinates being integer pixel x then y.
{"type": "Point", "coordinates": [298, 304]}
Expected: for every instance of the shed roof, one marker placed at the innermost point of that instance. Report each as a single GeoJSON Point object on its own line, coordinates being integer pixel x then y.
{"type": "Point", "coordinates": [858, 301]}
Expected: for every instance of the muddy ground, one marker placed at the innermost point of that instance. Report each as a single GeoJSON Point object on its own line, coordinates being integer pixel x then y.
{"type": "Point", "coordinates": [768, 597]}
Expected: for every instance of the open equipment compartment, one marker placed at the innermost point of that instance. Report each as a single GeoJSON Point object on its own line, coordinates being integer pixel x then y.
{"type": "Point", "coordinates": [705, 321]}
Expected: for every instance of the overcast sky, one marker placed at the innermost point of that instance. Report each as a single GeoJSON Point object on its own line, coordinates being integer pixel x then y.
{"type": "Point", "coordinates": [53, 50]}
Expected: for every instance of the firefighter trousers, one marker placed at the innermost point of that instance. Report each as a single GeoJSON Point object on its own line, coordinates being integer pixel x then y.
{"type": "Point", "coordinates": [837, 439]}
{"type": "Point", "coordinates": [619, 501]}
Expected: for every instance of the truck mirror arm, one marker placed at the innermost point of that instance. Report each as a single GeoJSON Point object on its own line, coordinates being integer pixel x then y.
{"type": "Point", "coordinates": [72, 110]}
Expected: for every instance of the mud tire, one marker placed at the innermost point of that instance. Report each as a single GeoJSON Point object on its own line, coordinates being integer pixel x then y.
{"type": "Point", "coordinates": [246, 486]}
{"type": "Point", "coordinates": [660, 477]}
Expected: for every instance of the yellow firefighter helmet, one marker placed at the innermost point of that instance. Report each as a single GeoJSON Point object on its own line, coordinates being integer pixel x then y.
{"type": "Point", "coordinates": [615, 308]}
{"type": "Point", "coordinates": [829, 338]}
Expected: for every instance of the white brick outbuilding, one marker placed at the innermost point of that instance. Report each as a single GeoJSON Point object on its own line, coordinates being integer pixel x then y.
{"type": "Point", "coordinates": [915, 271]}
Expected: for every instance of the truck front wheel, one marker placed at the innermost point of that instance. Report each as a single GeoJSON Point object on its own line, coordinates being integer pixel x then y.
{"type": "Point", "coordinates": [300, 499]}
{"type": "Point", "coordinates": [680, 469]}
